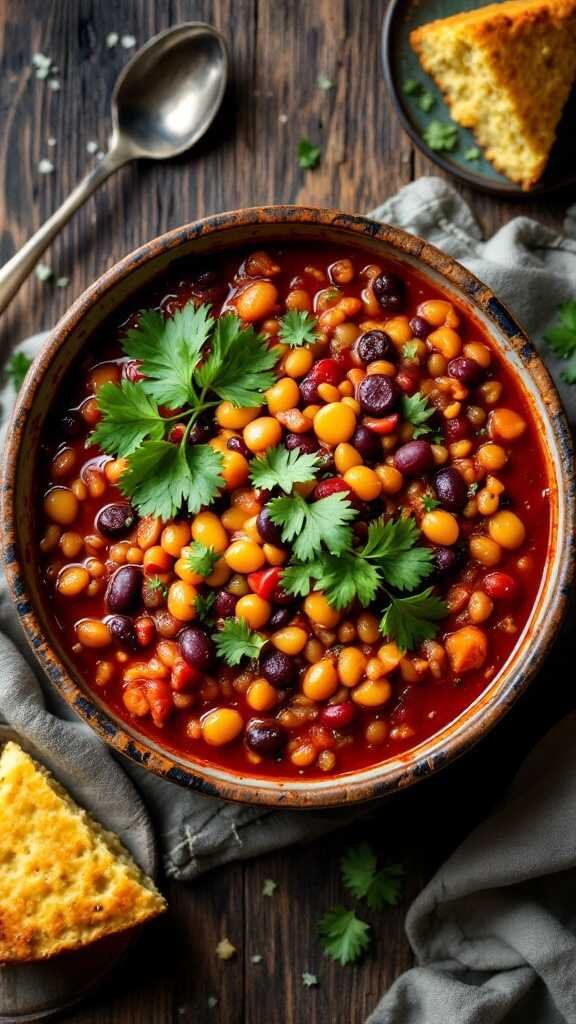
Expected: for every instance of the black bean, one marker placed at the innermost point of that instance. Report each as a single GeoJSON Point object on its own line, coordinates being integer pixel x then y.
{"type": "Point", "coordinates": [197, 647]}
{"type": "Point", "coordinates": [279, 596]}
{"type": "Point", "coordinates": [414, 458]}
{"type": "Point", "coordinates": [366, 443]}
{"type": "Point", "coordinates": [467, 371]}
{"type": "Point", "coordinates": [268, 530]}
{"type": "Point", "coordinates": [451, 489]}
{"type": "Point", "coordinates": [225, 604]}
{"type": "Point", "coordinates": [115, 520]}
{"type": "Point", "coordinates": [446, 560]}
{"type": "Point", "coordinates": [278, 668]}
{"type": "Point", "coordinates": [374, 345]}
{"type": "Point", "coordinates": [389, 289]}
{"type": "Point", "coordinates": [124, 591]}
{"type": "Point", "coordinates": [377, 394]}
{"type": "Point", "coordinates": [280, 617]}
{"type": "Point", "coordinates": [237, 444]}
{"type": "Point", "coordinates": [122, 630]}
{"type": "Point", "coordinates": [266, 736]}
{"type": "Point", "coordinates": [420, 327]}
{"type": "Point", "coordinates": [307, 443]}
{"type": "Point", "coordinates": [309, 389]}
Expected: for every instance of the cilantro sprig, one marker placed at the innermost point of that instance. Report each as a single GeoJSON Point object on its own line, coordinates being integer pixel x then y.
{"type": "Point", "coordinates": [200, 558]}
{"type": "Point", "coordinates": [309, 525]}
{"type": "Point", "coordinates": [441, 135]}
{"type": "Point", "coordinates": [344, 936]}
{"type": "Point", "coordinates": [298, 328]}
{"type": "Point", "coordinates": [411, 620]}
{"type": "Point", "coordinates": [279, 467]}
{"type": "Point", "coordinates": [417, 411]}
{"type": "Point", "coordinates": [562, 339]}
{"type": "Point", "coordinates": [236, 641]}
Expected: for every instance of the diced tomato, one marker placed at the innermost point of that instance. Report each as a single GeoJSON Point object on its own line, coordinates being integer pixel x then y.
{"type": "Point", "coordinates": [333, 485]}
{"type": "Point", "coordinates": [184, 676]}
{"type": "Point", "coordinates": [159, 697]}
{"type": "Point", "coordinates": [265, 581]}
{"type": "Point", "coordinates": [386, 425]}
{"type": "Point", "coordinates": [327, 371]}
{"type": "Point", "coordinates": [500, 586]}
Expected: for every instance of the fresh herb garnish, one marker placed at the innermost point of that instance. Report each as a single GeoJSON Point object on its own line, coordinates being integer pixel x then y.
{"type": "Point", "coordinates": [410, 349]}
{"type": "Point", "coordinates": [324, 83]}
{"type": "Point", "coordinates": [309, 980]}
{"type": "Point", "coordinates": [410, 620]}
{"type": "Point", "coordinates": [200, 559]}
{"type": "Point", "coordinates": [429, 502]}
{"type": "Point", "coordinates": [440, 135]}
{"type": "Point", "coordinates": [162, 477]}
{"type": "Point", "coordinates": [426, 101]}
{"type": "Point", "coordinates": [417, 411]}
{"type": "Point", "coordinates": [156, 585]}
{"type": "Point", "coordinates": [203, 604]}
{"type": "Point", "coordinates": [129, 417]}
{"type": "Point", "coordinates": [308, 154]}
{"type": "Point", "coordinates": [361, 876]}
{"type": "Point", "coordinates": [344, 936]}
{"type": "Point", "coordinates": [472, 489]}
{"type": "Point", "coordinates": [472, 154]}
{"type": "Point", "coordinates": [269, 887]}
{"type": "Point", "coordinates": [411, 87]}
{"type": "Point", "coordinates": [236, 641]}
{"type": "Point", "coordinates": [239, 366]}
{"type": "Point", "coordinates": [169, 351]}
{"type": "Point", "coordinates": [279, 467]}
{"type": "Point", "coordinates": [308, 526]}
{"type": "Point", "coordinates": [17, 368]}
{"type": "Point", "coordinates": [562, 339]}
{"type": "Point", "coordinates": [298, 328]}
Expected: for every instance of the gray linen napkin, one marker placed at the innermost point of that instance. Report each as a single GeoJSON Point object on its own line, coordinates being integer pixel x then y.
{"type": "Point", "coordinates": [485, 954]}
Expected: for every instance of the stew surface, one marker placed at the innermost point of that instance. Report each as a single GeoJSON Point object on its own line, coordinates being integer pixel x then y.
{"type": "Point", "coordinates": [310, 553]}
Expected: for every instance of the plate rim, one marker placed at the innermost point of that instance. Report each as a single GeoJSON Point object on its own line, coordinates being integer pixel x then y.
{"type": "Point", "coordinates": [479, 181]}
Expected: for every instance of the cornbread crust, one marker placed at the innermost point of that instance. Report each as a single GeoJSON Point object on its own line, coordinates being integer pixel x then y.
{"type": "Point", "coordinates": [506, 71]}
{"type": "Point", "coordinates": [64, 881]}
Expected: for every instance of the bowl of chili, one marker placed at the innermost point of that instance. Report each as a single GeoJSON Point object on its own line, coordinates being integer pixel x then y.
{"type": "Point", "coordinates": [288, 507]}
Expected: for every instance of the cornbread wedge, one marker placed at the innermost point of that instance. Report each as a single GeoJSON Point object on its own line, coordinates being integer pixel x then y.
{"type": "Point", "coordinates": [64, 880]}
{"type": "Point", "coordinates": [506, 71]}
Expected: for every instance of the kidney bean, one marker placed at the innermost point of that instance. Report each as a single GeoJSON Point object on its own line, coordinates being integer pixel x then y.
{"type": "Point", "coordinates": [414, 458]}
{"type": "Point", "coordinates": [115, 520]}
{"type": "Point", "coordinates": [377, 394]}
{"type": "Point", "coordinates": [152, 597]}
{"type": "Point", "coordinates": [338, 716]}
{"type": "Point", "coordinates": [451, 489]}
{"type": "Point", "coordinates": [408, 378]}
{"type": "Point", "coordinates": [167, 626]}
{"type": "Point", "coordinates": [325, 371]}
{"type": "Point", "coordinates": [389, 289]}
{"type": "Point", "coordinates": [366, 443]}
{"type": "Point", "coordinates": [145, 630]}
{"type": "Point", "coordinates": [124, 591]}
{"type": "Point", "coordinates": [307, 443]}
{"type": "Point", "coordinates": [278, 668]}
{"type": "Point", "coordinates": [334, 485]}
{"type": "Point", "coordinates": [225, 604]}
{"type": "Point", "coordinates": [446, 560]}
{"type": "Point", "coordinates": [466, 370]}
{"type": "Point", "coordinates": [457, 429]}
{"type": "Point", "coordinates": [373, 345]}
{"type": "Point", "coordinates": [266, 736]}
{"type": "Point", "coordinates": [197, 647]}
{"type": "Point", "coordinates": [280, 617]}
{"type": "Point", "coordinates": [122, 629]}
{"type": "Point", "coordinates": [268, 530]}
{"type": "Point", "coordinates": [281, 597]}
{"type": "Point", "coordinates": [237, 444]}
{"type": "Point", "coordinates": [420, 327]}
{"type": "Point", "coordinates": [500, 586]}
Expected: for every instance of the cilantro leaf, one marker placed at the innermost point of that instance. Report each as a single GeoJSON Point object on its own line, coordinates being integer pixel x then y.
{"type": "Point", "coordinates": [309, 980]}
{"type": "Point", "coordinates": [200, 559]}
{"type": "Point", "coordinates": [239, 366]}
{"type": "Point", "coordinates": [344, 936]}
{"type": "Point", "coordinates": [426, 101]}
{"type": "Point", "coordinates": [344, 577]}
{"type": "Point", "coordinates": [440, 135]}
{"type": "Point", "coordinates": [279, 467]}
{"type": "Point", "coordinates": [203, 605]}
{"type": "Point", "coordinates": [308, 154]}
{"type": "Point", "coordinates": [386, 887]}
{"type": "Point", "coordinates": [411, 87]}
{"type": "Point", "coordinates": [297, 577]}
{"type": "Point", "coordinates": [129, 417]}
{"type": "Point", "coordinates": [416, 410]}
{"type": "Point", "coordinates": [17, 368]}
{"type": "Point", "coordinates": [169, 351]}
{"type": "Point", "coordinates": [236, 641]}
{"type": "Point", "coordinates": [562, 339]}
{"type": "Point", "coordinates": [429, 503]}
{"type": "Point", "coordinates": [410, 350]}
{"type": "Point", "coordinates": [298, 328]}
{"type": "Point", "coordinates": [307, 526]}
{"type": "Point", "coordinates": [162, 477]}
{"type": "Point", "coordinates": [361, 876]}
{"type": "Point", "coordinates": [392, 545]}
{"type": "Point", "coordinates": [410, 620]}
{"type": "Point", "coordinates": [472, 154]}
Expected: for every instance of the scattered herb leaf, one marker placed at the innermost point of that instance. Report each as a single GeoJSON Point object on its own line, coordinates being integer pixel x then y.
{"type": "Point", "coordinates": [156, 585]}
{"type": "Point", "coordinates": [410, 350]}
{"type": "Point", "coordinates": [429, 502]}
{"type": "Point", "coordinates": [204, 604]}
{"type": "Point", "coordinates": [201, 559]}
{"type": "Point", "coordinates": [426, 101]}
{"type": "Point", "coordinates": [308, 154]}
{"type": "Point", "coordinates": [361, 876]}
{"type": "Point", "coordinates": [269, 887]}
{"type": "Point", "coordinates": [410, 620]}
{"type": "Point", "coordinates": [411, 87]}
{"type": "Point", "coordinates": [417, 411]}
{"type": "Point", "coordinates": [279, 467]}
{"type": "Point", "coordinates": [297, 328]}
{"type": "Point", "coordinates": [236, 641]}
{"type": "Point", "coordinates": [472, 154]}
{"type": "Point", "coordinates": [309, 980]}
{"type": "Point", "coordinates": [440, 135]}
{"type": "Point", "coordinates": [344, 936]}
{"type": "Point", "coordinates": [17, 368]}
{"type": "Point", "coordinates": [324, 83]}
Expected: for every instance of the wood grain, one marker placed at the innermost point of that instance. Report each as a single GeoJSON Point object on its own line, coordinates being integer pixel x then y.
{"type": "Point", "coordinates": [249, 157]}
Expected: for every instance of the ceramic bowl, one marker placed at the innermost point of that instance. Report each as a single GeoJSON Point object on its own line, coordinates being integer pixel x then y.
{"type": "Point", "coordinates": [259, 227]}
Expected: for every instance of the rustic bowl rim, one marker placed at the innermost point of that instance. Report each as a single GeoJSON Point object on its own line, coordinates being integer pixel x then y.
{"type": "Point", "coordinates": [350, 787]}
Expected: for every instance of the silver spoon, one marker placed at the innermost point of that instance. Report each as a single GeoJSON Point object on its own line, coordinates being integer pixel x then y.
{"type": "Point", "coordinates": [164, 100]}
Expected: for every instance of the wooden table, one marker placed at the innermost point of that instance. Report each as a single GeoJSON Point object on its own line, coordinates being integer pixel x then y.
{"type": "Point", "coordinates": [278, 50]}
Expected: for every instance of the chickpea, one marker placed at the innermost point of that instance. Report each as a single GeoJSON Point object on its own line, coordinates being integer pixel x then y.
{"type": "Point", "coordinates": [376, 732]}
{"type": "Point", "coordinates": [344, 336]}
{"type": "Point", "coordinates": [480, 607]}
{"type": "Point", "coordinates": [93, 633]}
{"type": "Point", "coordinates": [346, 456]}
{"type": "Point", "coordinates": [318, 610]}
{"type": "Point", "coordinates": [232, 417]}
{"type": "Point", "coordinates": [375, 669]}
{"type": "Point", "coordinates": [221, 726]}
{"type": "Point", "coordinates": [335, 422]}
{"type": "Point", "coordinates": [95, 482]}
{"type": "Point", "coordinates": [304, 754]}
{"type": "Point", "coordinates": [313, 650]}
{"type": "Point", "coordinates": [320, 680]}
{"type": "Point", "coordinates": [437, 365]}
{"type": "Point", "coordinates": [79, 490]}
{"type": "Point", "coordinates": [174, 537]}
{"type": "Point", "coordinates": [117, 552]}
{"type": "Point", "coordinates": [342, 272]}
{"type": "Point", "coordinates": [491, 391]}
{"type": "Point", "coordinates": [298, 363]}
{"type": "Point", "coordinates": [398, 329]}
{"type": "Point", "coordinates": [391, 479]}
{"type": "Point", "coordinates": [491, 457]}
{"type": "Point", "coordinates": [61, 506]}
{"type": "Point", "coordinates": [71, 544]}
{"type": "Point", "coordinates": [221, 574]}
{"type": "Point", "coordinates": [390, 656]}
{"type": "Point", "coordinates": [181, 601]}
{"type": "Point", "coordinates": [364, 482]}
{"type": "Point", "coordinates": [372, 693]}
{"type": "Point", "coordinates": [352, 403]}
{"type": "Point", "coordinates": [207, 528]}
{"type": "Point", "coordinates": [290, 640]}
{"type": "Point", "coordinates": [90, 412]}
{"type": "Point", "coordinates": [50, 539]}
{"type": "Point", "coordinates": [506, 425]}
{"type": "Point", "coordinates": [440, 527]}
{"type": "Point", "coordinates": [257, 301]}
{"type": "Point", "coordinates": [114, 468]}
{"type": "Point", "coordinates": [264, 432]}
{"type": "Point", "coordinates": [346, 632]}
{"type": "Point", "coordinates": [148, 532]}
{"type": "Point", "coordinates": [104, 672]}
{"type": "Point", "coordinates": [261, 695]}
{"type": "Point", "coordinates": [235, 469]}
{"type": "Point", "coordinates": [63, 464]}
{"type": "Point", "coordinates": [135, 701]}
{"type": "Point", "coordinates": [351, 666]}
{"type": "Point", "coordinates": [329, 392]}
{"type": "Point", "coordinates": [274, 555]}
{"type": "Point", "coordinates": [283, 395]}
{"type": "Point", "coordinates": [244, 556]}
{"type": "Point", "coordinates": [72, 581]}
{"type": "Point", "coordinates": [480, 353]}
{"type": "Point", "coordinates": [507, 529]}
{"type": "Point", "coordinates": [367, 626]}
{"type": "Point", "coordinates": [300, 299]}
{"type": "Point", "coordinates": [487, 502]}
{"type": "Point", "coordinates": [438, 312]}
{"type": "Point", "coordinates": [254, 609]}
{"type": "Point", "coordinates": [156, 560]}
{"type": "Point", "coordinates": [446, 341]}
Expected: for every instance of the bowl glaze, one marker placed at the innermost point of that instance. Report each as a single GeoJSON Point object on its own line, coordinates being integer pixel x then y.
{"type": "Point", "coordinates": [258, 227]}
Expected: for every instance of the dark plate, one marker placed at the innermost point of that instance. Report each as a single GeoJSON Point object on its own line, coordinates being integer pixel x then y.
{"type": "Point", "coordinates": [401, 64]}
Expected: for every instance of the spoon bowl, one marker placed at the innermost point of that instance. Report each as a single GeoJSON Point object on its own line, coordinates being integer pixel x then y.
{"type": "Point", "coordinates": [170, 92]}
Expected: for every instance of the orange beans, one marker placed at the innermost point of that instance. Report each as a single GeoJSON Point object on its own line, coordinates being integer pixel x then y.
{"type": "Point", "coordinates": [300, 299]}
{"type": "Point", "coordinates": [390, 656]}
{"type": "Point", "coordinates": [221, 726]}
{"type": "Point", "coordinates": [321, 680]}
{"type": "Point", "coordinates": [506, 425]}
{"type": "Point", "coordinates": [376, 732]}
{"type": "Point", "coordinates": [72, 581]}
{"type": "Point", "coordinates": [480, 607]}
{"type": "Point", "coordinates": [440, 527]}
{"type": "Point", "coordinates": [290, 640]}
{"type": "Point", "coordinates": [156, 560]}
{"type": "Point", "coordinates": [256, 301]}
{"type": "Point", "coordinates": [467, 649]}
{"type": "Point", "coordinates": [480, 353]}
{"type": "Point", "coordinates": [235, 469]}
{"type": "Point", "coordinates": [364, 482]}
{"type": "Point", "coordinates": [446, 341]}
{"type": "Point", "coordinates": [318, 610]}
{"type": "Point", "coordinates": [261, 695]}
{"type": "Point", "coordinates": [182, 601]}
{"type": "Point", "coordinates": [351, 665]}
{"type": "Point", "coordinates": [335, 422]}
{"type": "Point", "coordinates": [390, 478]}
{"type": "Point", "coordinates": [262, 433]}
{"type": "Point", "coordinates": [254, 609]}
{"type": "Point", "coordinates": [398, 328]}
{"type": "Point", "coordinates": [71, 544]}
{"type": "Point", "coordinates": [61, 506]}
{"type": "Point", "coordinates": [284, 395]}
{"type": "Point", "coordinates": [372, 693]}
{"type": "Point", "coordinates": [367, 627]}
{"type": "Point", "coordinates": [298, 363]}
{"type": "Point", "coordinates": [93, 633]}
{"type": "Point", "coordinates": [491, 457]}
{"type": "Point", "coordinates": [63, 464]}
{"type": "Point", "coordinates": [207, 528]}
{"type": "Point", "coordinates": [346, 456]}
{"type": "Point", "coordinates": [244, 556]}
{"type": "Point", "coordinates": [174, 537]}
{"type": "Point", "coordinates": [232, 417]}
{"type": "Point", "coordinates": [507, 529]}
{"type": "Point", "coordinates": [438, 312]}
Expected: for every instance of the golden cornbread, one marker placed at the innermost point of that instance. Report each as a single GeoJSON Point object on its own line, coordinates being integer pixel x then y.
{"type": "Point", "coordinates": [506, 71]}
{"type": "Point", "coordinates": [64, 880]}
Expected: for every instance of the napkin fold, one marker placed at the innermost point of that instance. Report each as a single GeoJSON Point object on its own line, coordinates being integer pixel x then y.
{"type": "Point", "coordinates": [493, 930]}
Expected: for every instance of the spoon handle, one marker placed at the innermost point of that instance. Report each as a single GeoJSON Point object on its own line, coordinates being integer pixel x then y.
{"type": "Point", "coordinates": [14, 272]}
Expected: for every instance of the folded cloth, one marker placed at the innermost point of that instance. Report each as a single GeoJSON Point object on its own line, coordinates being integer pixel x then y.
{"type": "Point", "coordinates": [487, 954]}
